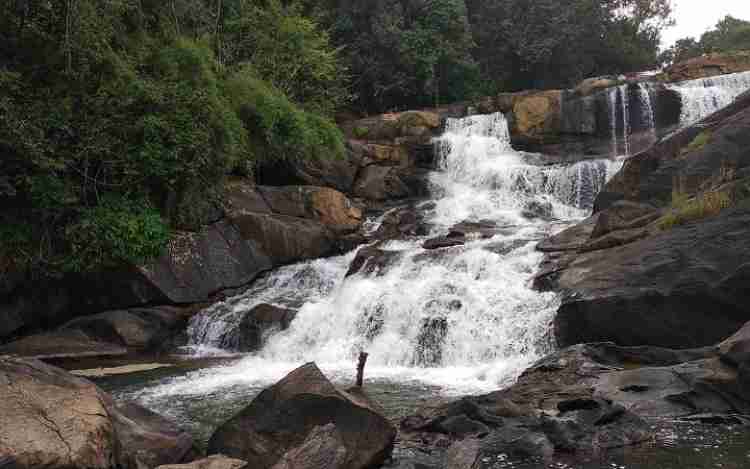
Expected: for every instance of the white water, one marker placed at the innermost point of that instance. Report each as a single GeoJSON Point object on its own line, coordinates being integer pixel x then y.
{"type": "Point", "coordinates": [647, 108]}
{"type": "Point", "coordinates": [464, 319]}
{"type": "Point", "coordinates": [703, 97]}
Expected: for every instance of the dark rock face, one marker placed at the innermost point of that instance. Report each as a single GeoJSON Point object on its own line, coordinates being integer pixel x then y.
{"type": "Point", "coordinates": [53, 419]}
{"type": "Point", "coordinates": [582, 401]}
{"type": "Point", "coordinates": [672, 289]}
{"type": "Point", "coordinates": [305, 420]}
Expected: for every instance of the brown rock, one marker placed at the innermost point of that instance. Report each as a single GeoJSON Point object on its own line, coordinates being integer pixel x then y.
{"type": "Point", "coordinates": [304, 419]}
{"type": "Point", "coordinates": [709, 65]}
{"type": "Point", "coordinates": [328, 206]}
{"type": "Point", "coordinates": [538, 114]}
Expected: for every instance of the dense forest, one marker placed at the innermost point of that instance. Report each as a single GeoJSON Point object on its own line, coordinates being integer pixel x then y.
{"type": "Point", "coordinates": [119, 119]}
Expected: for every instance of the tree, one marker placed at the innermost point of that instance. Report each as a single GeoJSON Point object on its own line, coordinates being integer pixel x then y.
{"type": "Point", "coordinates": [730, 34]}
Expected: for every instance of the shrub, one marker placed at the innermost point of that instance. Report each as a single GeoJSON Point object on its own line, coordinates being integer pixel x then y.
{"type": "Point", "coordinates": [118, 230]}
{"type": "Point", "coordinates": [278, 129]}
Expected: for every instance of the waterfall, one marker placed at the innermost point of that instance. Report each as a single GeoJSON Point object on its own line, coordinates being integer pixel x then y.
{"type": "Point", "coordinates": [618, 102]}
{"type": "Point", "coordinates": [647, 108]}
{"type": "Point", "coordinates": [463, 317]}
{"type": "Point", "coordinates": [625, 99]}
{"type": "Point", "coordinates": [704, 96]}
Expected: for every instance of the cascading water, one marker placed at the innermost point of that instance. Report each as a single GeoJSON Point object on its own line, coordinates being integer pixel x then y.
{"type": "Point", "coordinates": [618, 101]}
{"type": "Point", "coordinates": [647, 108]}
{"type": "Point", "coordinates": [463, 319]}
{"type": "Point", "coordinates": [704, 96]}
{"type": "Point", "coordinates": [625, 99]}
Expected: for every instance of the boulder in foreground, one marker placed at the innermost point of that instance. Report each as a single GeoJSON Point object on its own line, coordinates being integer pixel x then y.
{"type": "Point", "coordinates": [303, 422]}
{"type": "Point", "coordinates": [55, 420]}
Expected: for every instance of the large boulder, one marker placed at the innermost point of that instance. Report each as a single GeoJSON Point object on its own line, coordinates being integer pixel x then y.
{"type": "Point", "coordinates": [537, 116]}
{"type": "Point", "coordinates": [257, 323]}
{"type": "Point", "coordinates": [137, 329]}
{"type": "Point", "coordinates": [329, 206]}
{"type": "Point", "coordinates": [52, 419]}
{"type": "Point", "coordinates": [285, 239]}
{"type": "Point", "coordinates": [303, 419]}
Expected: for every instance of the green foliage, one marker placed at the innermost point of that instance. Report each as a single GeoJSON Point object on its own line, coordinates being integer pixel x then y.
{"type": "Point", "coordinates": [116, 121]}
{"type": "Point", "coordinates": [117, 230]}
{"type": "Point", "coordinates": [279, 129]}
{"type": "Point", "coordinates": [685, 210]}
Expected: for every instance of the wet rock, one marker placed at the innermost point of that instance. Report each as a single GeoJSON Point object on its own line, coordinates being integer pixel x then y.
{"type": "Point", "coordinates": [53, 419]}
{"type": "Point", "coordinates": [402, 223]}
{"type": "Point", "coordinates": [442, 242]}
{"type": "Point", "coordinates": [302, 418]}
{"type": "Point", "coordinates": [211, 462]}
{"type": "Point", "coordinates": [537, 209]}
{"type": "Point", "coordinates": [257, 323]}
{"type": "Point", "coordinates": [381, 183]}
{"type": "Point", "coordinates": [483, 229]}
{"type": "Point", "coordinates": [431, 340]}
{"type": "Point", "coordinates": [371, 259]}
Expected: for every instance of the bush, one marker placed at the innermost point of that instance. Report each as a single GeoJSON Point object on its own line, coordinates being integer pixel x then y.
{"type": "Point", "coordinates": [118, 230]}
{"type": "Point", "coordinates": [278, 129]}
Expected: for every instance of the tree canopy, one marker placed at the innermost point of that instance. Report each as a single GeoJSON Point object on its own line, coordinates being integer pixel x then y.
{"type": "Point", "coordinates": [729, 35]}
{"type": "Point", "coordinates": [119, 119]}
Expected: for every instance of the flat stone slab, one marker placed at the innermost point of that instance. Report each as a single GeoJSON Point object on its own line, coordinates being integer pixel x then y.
{"type": "Point", "coordinates": [61, 344]}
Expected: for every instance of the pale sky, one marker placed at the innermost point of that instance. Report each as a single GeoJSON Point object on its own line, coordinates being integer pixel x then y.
{"type": "Point", "coordinates": [694, 17]}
